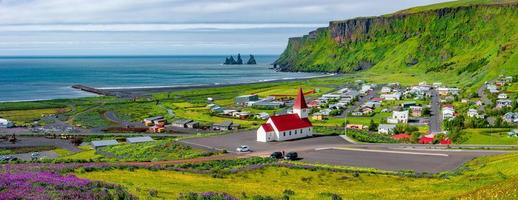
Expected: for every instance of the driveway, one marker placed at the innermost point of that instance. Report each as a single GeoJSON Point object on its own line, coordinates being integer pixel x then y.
{"type": "Point", "coordinates": [334, 150]}
{"type": "Point", "coordinates": [435, 118]}
{"type": "Point", "coordinates": [230, 142]}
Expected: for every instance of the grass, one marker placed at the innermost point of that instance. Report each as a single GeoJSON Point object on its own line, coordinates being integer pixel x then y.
{"type": "Point", "coordinates": [18, 150]}
{"type": "Point", "coordinates": [489, 136]}
{"type": "Point", "coordinates": [479, 176]}
{"type": "Point", "coordinates": [151, 151]}
{"type": "Point", "coordinates": [22, 117]}
{"type": "Point", "coordinates": [86, 153]}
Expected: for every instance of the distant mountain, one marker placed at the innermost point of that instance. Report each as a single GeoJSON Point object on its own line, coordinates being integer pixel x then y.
{"type": "Point", "coordinates": [470, 39]}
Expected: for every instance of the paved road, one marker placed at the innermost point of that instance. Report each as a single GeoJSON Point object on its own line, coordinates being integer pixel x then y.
{"type": "Point", "coordinates": [360, 102]}
{"type": "Point", "coordinates": [337, 151]}
{"type": "Point", "coordinates": [28, 133]}
{"type": "Point", "coordinates": [483, 97]}
{"type": "Point", "coordinates": [40, 141]}
{"type": "Point", "coordinates": [436, 115]}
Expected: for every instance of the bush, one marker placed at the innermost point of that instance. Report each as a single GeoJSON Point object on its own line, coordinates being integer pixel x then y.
{"type": "Point", "coordinates": [364, 136]}
{"type": "Point", "coordinates": [206, 196]}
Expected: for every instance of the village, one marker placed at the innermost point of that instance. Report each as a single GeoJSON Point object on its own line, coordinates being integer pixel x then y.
{"type": "Point", "coordinates": [355, 113]}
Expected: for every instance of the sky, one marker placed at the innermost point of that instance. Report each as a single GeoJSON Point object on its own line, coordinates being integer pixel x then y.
{"type": "Point", "coordinates": [171, 27]}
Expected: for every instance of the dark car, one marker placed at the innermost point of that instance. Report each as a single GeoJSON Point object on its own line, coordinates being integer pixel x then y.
{"type": "Point", "coordinates": [291, 156]}
{"type": "Point", "coordinates": [276, 155]}
{"type": "Point", "coordinates": [8, 158]}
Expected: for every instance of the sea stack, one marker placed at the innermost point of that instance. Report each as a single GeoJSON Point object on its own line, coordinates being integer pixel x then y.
{"type": "Point", "coordinates": [251, 60]}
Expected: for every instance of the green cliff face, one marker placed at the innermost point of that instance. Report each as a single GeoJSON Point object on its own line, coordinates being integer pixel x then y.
{"type": "Point", "coordinates": [469, 41]}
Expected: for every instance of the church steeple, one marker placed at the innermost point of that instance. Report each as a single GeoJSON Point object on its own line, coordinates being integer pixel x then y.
{"type": "Point", "coordinates": [300, 107]}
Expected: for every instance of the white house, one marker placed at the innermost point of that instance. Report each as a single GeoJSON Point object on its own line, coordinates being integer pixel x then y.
{"type": "Point", "coordinates": [4, 123]}
{"type": "Point", "coordinates": [398, 117]}
{"type": "Point", "coordinates": [448, 112]}
{"type": "Point", "coordinates": [391, 97]}
{"type": "Point", "coordinates": [502, 96]}
{"type": "Point", "coordinates": [288, 126]}
{"type": "Point", "coordinates": [386, 89]}
{"type": "Point", "coordinates": [501, 103]}
{"type": "Point", "coordinates": [386, 128]}
{"type": "Point", "coordinates": [473, 113]}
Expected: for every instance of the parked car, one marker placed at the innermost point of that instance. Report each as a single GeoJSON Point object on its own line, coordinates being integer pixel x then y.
{"type": "Point", "coordinates": [243, 148]}
{"type": "Point", "coordinates": [8, 158]}
{"type": "Point", "coordinates": [291, 156]}
{"type": "Point", "coordinates": [276, 155]}
{"type": "Point", "coordinates": [35, 155]}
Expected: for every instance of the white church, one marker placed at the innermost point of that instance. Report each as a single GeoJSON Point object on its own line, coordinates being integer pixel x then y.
{"type": "Point", "coordinates": [288, 126]}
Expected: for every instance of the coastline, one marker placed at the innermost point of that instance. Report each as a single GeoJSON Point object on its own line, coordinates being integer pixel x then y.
{"type": "Point", "coordinates": [131, 92]}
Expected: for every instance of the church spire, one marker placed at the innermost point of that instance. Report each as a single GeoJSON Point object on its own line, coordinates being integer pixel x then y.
{"type": "Point", "coordinates": [300, 102]}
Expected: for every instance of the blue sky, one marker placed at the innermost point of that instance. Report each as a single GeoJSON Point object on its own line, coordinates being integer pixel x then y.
{"type": "Point", "coordinates": [171, 27]}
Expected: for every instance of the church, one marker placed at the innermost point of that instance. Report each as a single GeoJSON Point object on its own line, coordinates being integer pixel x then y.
{"type": "Point", "coordinates": [288, 126]}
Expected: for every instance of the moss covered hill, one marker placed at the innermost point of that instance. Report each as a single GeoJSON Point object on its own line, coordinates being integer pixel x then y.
{"type": "Point", "coordinates": [465, 40]}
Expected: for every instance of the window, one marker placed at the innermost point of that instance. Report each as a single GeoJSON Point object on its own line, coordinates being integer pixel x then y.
{"type": "Point", "coordinates": [283, 133]}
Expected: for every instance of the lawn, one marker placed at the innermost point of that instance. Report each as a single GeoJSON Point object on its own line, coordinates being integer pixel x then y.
{"type": "Point", "coordinates": [22, 117]}
{"type": "Point", "coordinates": [480, 176]}
{"type": "Point", "coordinates": [489, 136]}
{"type": "Point", "coordinates": [158, 150]}
{"type": "Point", "coordinates": [86, 153]}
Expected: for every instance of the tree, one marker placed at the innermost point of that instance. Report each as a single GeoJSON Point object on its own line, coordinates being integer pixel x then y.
{"type": "Point", "coordinates": [373, 126]}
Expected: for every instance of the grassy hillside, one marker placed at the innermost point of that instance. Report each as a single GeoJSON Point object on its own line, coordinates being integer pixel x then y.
{"type": "Point", "coordinates": [464, 45]}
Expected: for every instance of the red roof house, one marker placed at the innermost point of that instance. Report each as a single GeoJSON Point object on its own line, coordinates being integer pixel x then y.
{"type": "Point", "coordinates": [288, 126]}
{"type": "Point", "coordinates": [445, 141]}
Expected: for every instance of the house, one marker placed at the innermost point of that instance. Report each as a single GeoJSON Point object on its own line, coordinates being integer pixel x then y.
{"type": "Point", "coordinates": [473, 113]}
{"type": "Point", "coordinates": [244, 99]}
{"type": "Point", "coordinates": [416, 111]}
{"type": "Point", "coordinates": [513, 133]}
{"type": "Point", "coordinates": [437, 84]}
{"type": "Point", "coordinates": [408, 104]}
{"type": "Point", "coordinates": [152, 120]}
{"type": "Point", "coordinates": [326, 111]}
{"type": "Point", "coordinates": [386, 89]}
{"type": "Point", "coordinates": [103, 143]}
{"type": "Point", "coordinates": [511, 117]}
{"type": "Point", "coordinates": [365, 89]}
{"type": "Point", "coordinates": [398, 117]}
{"type": "Point", "coordinates": [377, 99]}
{"type": "Point", "coordinates": [133, 140]}
{"type": "Point", "coordinates": [464, 100]}
{"type": "Point", "coordinates": [502, 96]}
{"type": "Point", "coordinates": [288, 126]}
{"type": "Point", "coordinates": [508, 79]}
{"type": "Point", "coordinates": [448, 112]}
{"type": "Point", "coordinates": [193, 124]}
{"type": "Point", "coordinates": [355, 126]}
{"type": "Point", "coordinates": [241, 115]}
{"type": "Point", "coordinates": [318, 116]}
{"type": "Point", "coordinates": [366, 110]}
{"type": "Point", "coordinates": [372, 104]}
{"type": "Point", "coordinates": [391, 97]}
{"type": "Point", "coordinates": [157, 128]}
{"type": "Point", "coordinates": [225, 126]}
{"type": "Point", "coordinates": [386, 128]}
{"type": "Point", "coordinates": [229, 112]}
{"type": "Point", "coordinates": [263, 115]}
{"type": "Point", "coordinates": [4, 123]}
{"type": "Point", "coordinates": [182, 123]}
{"type": "Point", "coordinates": [314, 104]}
{"type": "Point", "coordinates": [444, 91]}
{"type": "Point", "coordinates": [267, 104]}
{"type": "Point", "coordinates": [502, 103]}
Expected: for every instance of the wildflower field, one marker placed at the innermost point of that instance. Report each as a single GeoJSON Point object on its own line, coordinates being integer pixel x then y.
{"type": "Point", "coordinates": [492, 177]}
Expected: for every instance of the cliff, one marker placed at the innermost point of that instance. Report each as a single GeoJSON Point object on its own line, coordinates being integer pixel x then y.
{"type": "Point", "coordinates": [471, 39]}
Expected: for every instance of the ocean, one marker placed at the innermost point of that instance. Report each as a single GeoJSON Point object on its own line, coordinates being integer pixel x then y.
{"type": "Point", "coordinates": [38, 78]}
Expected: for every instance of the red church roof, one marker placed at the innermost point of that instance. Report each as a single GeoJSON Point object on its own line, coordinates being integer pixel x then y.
{"type": "Point", "coordinates": [267, 127]}
{"type": "Point", "coordinates": [300, 102]}
{"type": "Point", "coordinates": [290, 122]}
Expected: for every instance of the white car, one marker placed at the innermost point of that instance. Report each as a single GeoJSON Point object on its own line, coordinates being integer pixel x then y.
{"type": "Point", "coordinates": [243, 148]}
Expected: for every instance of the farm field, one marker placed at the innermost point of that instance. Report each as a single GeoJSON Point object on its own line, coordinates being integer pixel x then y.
{"type": "Point", "coordinates": [489, 136]}
{"type": "Point", "coordinates": [476, 178]}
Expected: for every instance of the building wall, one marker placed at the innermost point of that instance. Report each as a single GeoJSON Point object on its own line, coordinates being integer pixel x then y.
{"type": "Point", "coordinates": [294, 134]}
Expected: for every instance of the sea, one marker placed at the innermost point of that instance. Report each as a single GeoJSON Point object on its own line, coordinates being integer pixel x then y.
{"type": "Point", "coordinates": [41, 78]}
